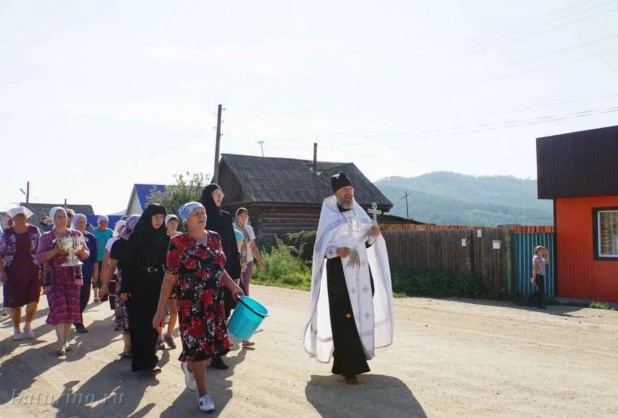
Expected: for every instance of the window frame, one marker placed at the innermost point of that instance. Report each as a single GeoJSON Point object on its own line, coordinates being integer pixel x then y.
{"type": "Point", "coordinates": [596, 236]}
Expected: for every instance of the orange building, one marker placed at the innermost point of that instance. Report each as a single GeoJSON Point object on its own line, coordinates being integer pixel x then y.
{"type": "Point", "coordinates": [579, 172]}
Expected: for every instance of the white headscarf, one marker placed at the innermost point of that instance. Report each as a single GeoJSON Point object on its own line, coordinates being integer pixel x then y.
{"type": "Point", "coordinates": [52, 213]}
{"type": "Point", "coordinates": [129, 226]}
{"type": "Point", "coordinates": [76, 218]}
{"type": "Point", "coordinates": [117, 227]}
{"type": "Point", "coordinates": [170, 217]}
{"type": "Point", "coordinates": [20, 210]}
{"type": "Point", "coordinates": [102, 218]}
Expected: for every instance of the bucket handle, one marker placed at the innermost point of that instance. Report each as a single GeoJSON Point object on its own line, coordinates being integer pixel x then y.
{"type": "Point", "coordinates": [251, 309]}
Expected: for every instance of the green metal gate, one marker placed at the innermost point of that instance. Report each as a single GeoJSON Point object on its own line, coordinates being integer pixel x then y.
{"type": "Point", "coordinates": [524, 251]}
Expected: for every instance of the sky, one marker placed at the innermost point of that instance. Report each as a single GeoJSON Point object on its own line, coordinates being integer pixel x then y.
{"type": "Point", "coordinates": [98, 95]}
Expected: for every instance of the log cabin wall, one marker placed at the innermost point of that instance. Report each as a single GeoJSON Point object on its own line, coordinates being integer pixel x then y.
{"type": "Point", "coordinates": [280, 220]}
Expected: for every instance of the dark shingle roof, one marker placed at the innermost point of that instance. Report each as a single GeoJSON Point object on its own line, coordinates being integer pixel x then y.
{"type": "Point", "coordinates": [41, 210]}
{"type": "Point", "coordinates": [289, 181]}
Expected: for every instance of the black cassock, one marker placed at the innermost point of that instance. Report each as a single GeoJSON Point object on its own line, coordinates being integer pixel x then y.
{"type": "Point", "coordinates": [349, 357]}
{"type": "Point", "coordinates": [142, 278]}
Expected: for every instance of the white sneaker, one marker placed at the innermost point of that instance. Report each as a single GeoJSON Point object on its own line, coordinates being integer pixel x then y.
{"type": "Point", "coordinates": [17, 336]}
{"type": "Point", "coordinates": [207, 404]}
{"type": "Point", "coordinates": [28, 334]}
{"type": "Point", "coordinates": [189, 377]}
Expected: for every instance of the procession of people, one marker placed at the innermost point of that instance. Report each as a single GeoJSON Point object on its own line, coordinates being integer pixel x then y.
{"type": "Point", "coordinates": [155, 274]}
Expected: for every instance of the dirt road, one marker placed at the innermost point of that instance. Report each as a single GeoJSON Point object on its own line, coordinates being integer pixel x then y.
{"type": "Point", "coordinates": [449, 359]}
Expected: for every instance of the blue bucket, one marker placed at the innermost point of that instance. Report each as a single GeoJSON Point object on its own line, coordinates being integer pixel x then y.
{"type": "Point", "coordinates": [247, 317]}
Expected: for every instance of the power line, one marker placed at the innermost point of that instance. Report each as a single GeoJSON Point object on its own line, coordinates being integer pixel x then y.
{"type": "Point", "coordinates": [477, 51]}
{"type": "Point", "coordinates": [611, 51]}
{"type": "Point", "coordinates": [501, 125]}
{"type": "Point", "coordinates": [528, 28]}
{"type": "Point", "coordinates": [521, 109]}
{"type": "Point", "coordinates": [533, 20]}
{"type": "Point", "coordinates": [559, 51]}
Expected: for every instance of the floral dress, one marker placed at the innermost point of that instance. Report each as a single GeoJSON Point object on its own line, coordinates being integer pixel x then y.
{"type": "Point", "coordinates": [63, 284]}
{"type": "Point", "coordinates": [199, 289]}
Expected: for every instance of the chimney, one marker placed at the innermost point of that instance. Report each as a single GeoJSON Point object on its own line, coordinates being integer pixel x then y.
{"type": "Point", "coordinates": [315, 158]}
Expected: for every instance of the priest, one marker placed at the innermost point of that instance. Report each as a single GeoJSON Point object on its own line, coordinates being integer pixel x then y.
{"type": "Point", "coordinates": [351, 311]}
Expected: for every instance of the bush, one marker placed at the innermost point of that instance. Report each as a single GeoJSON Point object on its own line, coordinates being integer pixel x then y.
{"type": "Point", "coordinates": [436, 283]}
{"type": "Point", "coordinates": [186, 188]}
{"type": "Point", "coordinates": [283, 268]}
{"type": "Point", "coordinates": [601, 305]}
{"type": "Point", "coordinates": [302, 243]}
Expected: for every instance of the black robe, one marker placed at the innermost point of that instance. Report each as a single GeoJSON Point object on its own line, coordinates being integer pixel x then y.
{"type": "Point", "coordinates": [221, 222]}
{"type": "Point", "coordinates": [348, 356]}
{"type": "Point", "coordinates": [146, 249]}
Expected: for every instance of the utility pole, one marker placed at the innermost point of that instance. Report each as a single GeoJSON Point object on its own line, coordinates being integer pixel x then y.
{"type": "Point", "coordinates": [407, 210]}
{"type": "Point", "coordinates": [215, 173]}
{"type": "Point", "coordinates": [262, 145]}
{"type": "Point", "coordinates": [27, 192]}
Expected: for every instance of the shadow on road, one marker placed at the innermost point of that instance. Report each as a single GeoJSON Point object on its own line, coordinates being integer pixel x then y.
{"type": "Point", "coordinates": [556, 310]}
{"type": "Point", "coordinates": [219, 387]}
{"type": "Point", "coordinates": [376, 396]}
{"type": "Point", "coordinates": [25, 368]}
{"type": "Point", "coordinates": [114, 391]}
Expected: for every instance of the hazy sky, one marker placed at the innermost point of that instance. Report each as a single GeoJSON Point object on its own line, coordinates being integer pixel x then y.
{"type": "Point", "coordinates": [98, 95]}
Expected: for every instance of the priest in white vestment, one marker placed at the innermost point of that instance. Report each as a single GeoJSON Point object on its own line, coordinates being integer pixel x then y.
{"type": "Point", "coordinates": [351, 311]}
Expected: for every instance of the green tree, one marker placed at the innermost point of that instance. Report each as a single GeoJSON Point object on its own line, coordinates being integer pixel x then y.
{"type": "Point", "coordinates": [186, 188]}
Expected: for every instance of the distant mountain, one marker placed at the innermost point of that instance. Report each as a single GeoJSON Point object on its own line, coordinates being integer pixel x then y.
{"type": "Point", "coordinates": [451, 198]}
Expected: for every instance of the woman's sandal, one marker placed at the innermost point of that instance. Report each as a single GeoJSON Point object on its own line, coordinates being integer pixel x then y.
{"type": "Point", "coordinates": [248, 343]}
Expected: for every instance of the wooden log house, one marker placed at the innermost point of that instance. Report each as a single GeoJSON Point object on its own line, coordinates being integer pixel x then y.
{"type": "Point", "coordinates": [285, 195]}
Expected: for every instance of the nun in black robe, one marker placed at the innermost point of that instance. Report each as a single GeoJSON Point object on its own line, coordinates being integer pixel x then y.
{"type": "Point", "coordinates": [146, 254]}
{"type": "Point", "coordinates": [221, 222]}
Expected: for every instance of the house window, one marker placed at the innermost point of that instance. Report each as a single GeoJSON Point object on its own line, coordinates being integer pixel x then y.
{"type": "Point", "coordinates": [606, 231]}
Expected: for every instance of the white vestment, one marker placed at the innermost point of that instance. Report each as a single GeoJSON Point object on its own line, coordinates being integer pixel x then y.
{"type": "Point", "coordinates": [373, 315]}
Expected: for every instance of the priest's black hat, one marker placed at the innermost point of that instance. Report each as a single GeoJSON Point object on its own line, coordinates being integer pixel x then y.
{"type": "Point", "coordinates": [339, 180]}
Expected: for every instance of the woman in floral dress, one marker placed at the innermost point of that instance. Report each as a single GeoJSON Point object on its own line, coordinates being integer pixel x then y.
{"type": "Point", "coordinates": [196, 273]}
{"type": "Point", "coordinates": [62, 284]}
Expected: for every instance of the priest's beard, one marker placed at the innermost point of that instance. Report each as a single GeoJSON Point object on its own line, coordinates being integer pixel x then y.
{"type": "Point", "coordinates": [346, 204]}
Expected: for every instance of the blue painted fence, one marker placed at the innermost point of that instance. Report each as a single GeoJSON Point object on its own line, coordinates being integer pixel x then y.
{"type": "Point", "coordinates": [524, 251]}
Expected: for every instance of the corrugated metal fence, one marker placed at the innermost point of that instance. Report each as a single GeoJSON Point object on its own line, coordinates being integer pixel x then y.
{"type": "Point", "coordinates": [524, 250]}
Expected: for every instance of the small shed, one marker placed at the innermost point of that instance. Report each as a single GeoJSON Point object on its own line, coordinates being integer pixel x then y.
{"type": "Point", "coordinates": [578, 171]}
{"type": "Point", "coordinates": [285, 195]}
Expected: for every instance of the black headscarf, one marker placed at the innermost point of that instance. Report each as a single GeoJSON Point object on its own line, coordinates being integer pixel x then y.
{"type": "Point", "coordinates": [213, 212]}
{"type": "Point", "coordinates": [220, 222]}
{"type": "Point", "coordinates": [148, 246]}
{"type": "Point", "coordinates": [144, 225]}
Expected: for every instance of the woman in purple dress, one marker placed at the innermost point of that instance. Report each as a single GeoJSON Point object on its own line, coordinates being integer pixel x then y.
{"type": "Point", "coordinates": [62, 284]}
{"type": "Point", "coordinates": [20, 270]}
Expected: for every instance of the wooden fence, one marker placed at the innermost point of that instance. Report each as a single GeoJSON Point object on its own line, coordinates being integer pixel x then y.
{"type": "Point", "coordinates": [484, 252]}
{"type": "Point", "coordinates": [515, 228]}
